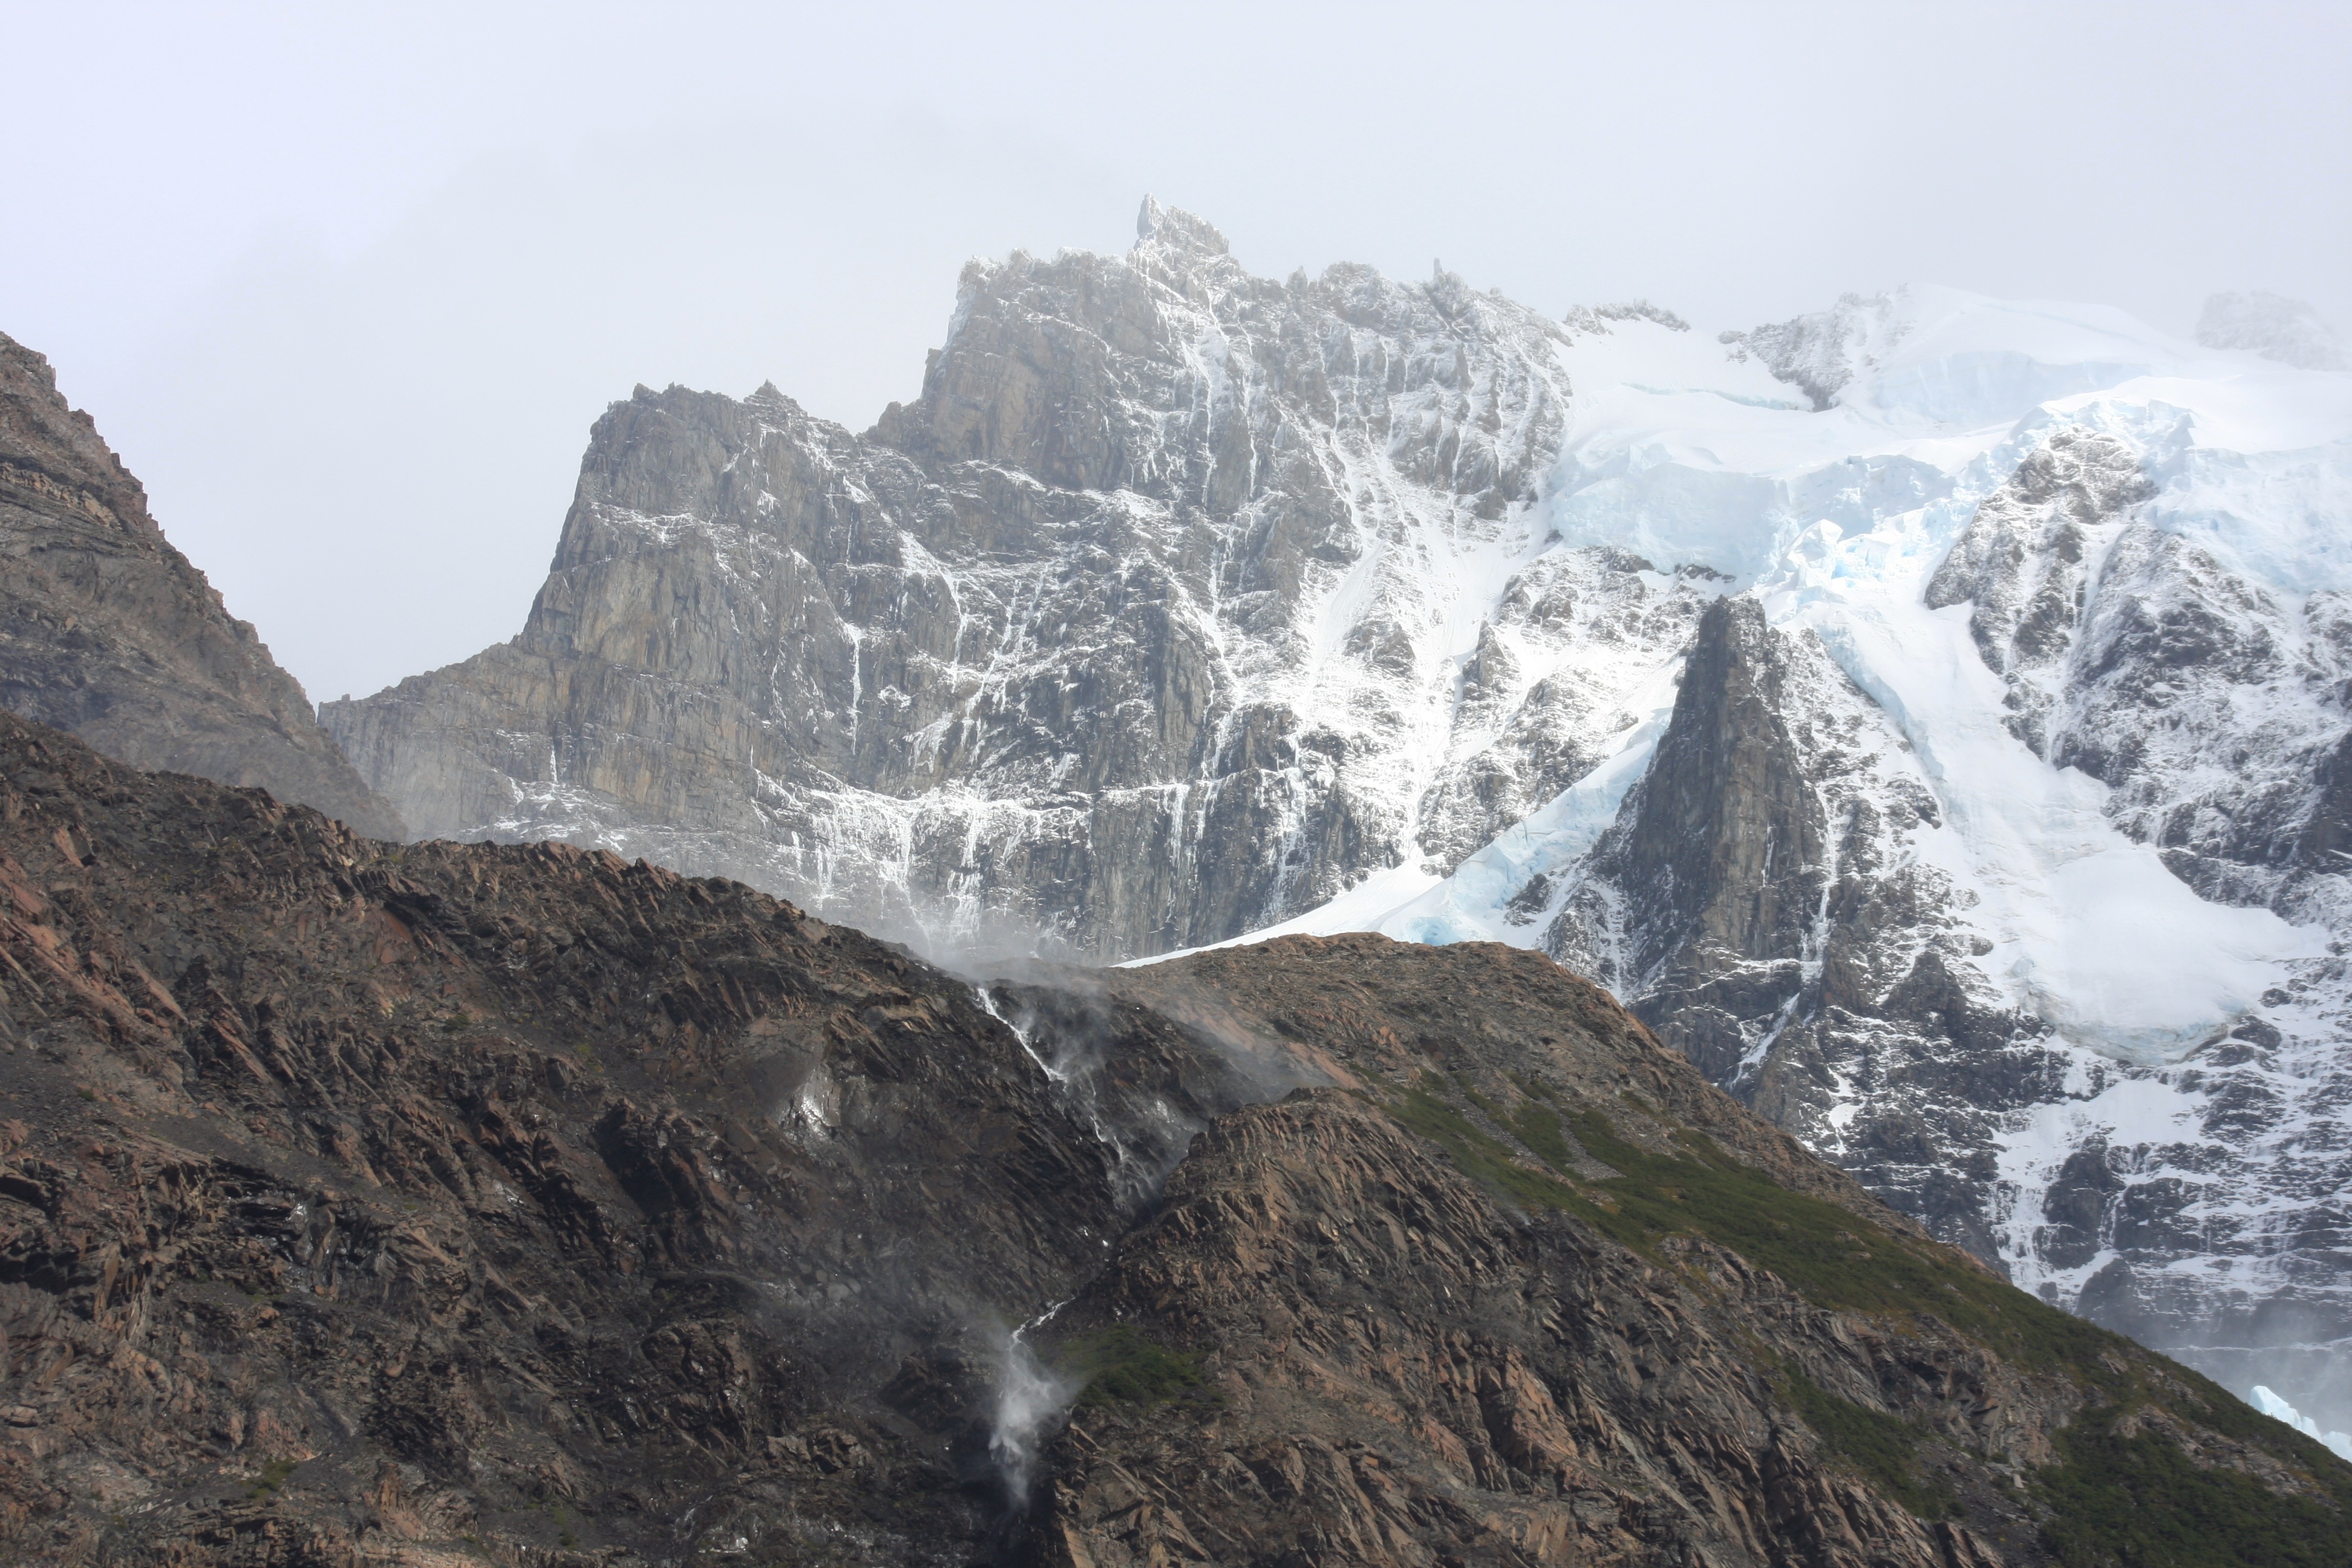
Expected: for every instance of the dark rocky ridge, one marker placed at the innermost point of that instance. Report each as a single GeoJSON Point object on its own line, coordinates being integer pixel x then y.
{"type": "Point", "coordinates": [107, 631]}
{"type": "Point", "coordinates": [473, 1203]}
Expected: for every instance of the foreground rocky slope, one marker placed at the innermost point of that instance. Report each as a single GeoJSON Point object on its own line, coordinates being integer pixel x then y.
{"type": "Point", "coordinates": [107, 631]}
{"type": "Point", "coordinates": [471, 1203]}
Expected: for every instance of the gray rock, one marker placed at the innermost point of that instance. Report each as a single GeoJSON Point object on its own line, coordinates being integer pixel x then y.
{"type": "Point", "coordinates": [1819, 354]}
{"type": "Point", "coordinates": [2273, 326]}
{"type": "Point", "coordinates": [1031, 660]}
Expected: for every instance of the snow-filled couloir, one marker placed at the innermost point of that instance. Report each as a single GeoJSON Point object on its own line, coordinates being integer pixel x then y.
{"type": "Point", "coordinates": [1929, 714]}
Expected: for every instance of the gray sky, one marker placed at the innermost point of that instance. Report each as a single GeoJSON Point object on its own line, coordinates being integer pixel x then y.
{"type": "Point", "coordinates": [346, 285]}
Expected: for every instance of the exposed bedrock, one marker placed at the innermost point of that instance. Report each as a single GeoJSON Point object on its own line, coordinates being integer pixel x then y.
{"type": "Point", "coordinates": [367, 1205]}
{"type": "Point", "coordinates": [106, 630]}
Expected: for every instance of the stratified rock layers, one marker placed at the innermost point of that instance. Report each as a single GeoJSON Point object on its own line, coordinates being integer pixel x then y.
{"type": "Point", "coordinates": [363, 1204]}
{"type": "Point", "coordinates": [107, 631]}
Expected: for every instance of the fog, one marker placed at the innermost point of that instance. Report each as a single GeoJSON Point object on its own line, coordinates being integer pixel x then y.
{"type": "Point", "coordinates": [347, 287]}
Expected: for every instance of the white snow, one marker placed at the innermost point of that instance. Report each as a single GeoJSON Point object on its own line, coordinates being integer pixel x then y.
{"type": "Point", "coordinates": [1686, 453]}
{"type": "Point", "coordinates": [2270, 1404]}
{"type": "Point", "coordinates": [1469, 906]}
{"type": "Point", "coordinates": [2090, 928]}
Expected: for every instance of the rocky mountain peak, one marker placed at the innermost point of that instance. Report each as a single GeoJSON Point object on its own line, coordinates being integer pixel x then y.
{"type": "Point", "coordinates": [1172, 229]}
{"type": "Point", "coordinates": [39, 431]}
{"type": "Point", "coordinates": [1820, 353]}
{"type": "Point", "coordinates": [2275, 327]}
{"type": "Point", "coordinates": [1062, 604]}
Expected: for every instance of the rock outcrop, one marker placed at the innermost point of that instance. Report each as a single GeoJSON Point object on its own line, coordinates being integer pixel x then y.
{"type": "Point", "coordinates": [2273, 326]}
{"type": "Point", "coordinates": [106, 630]}
{"type": "Point", "coordinates": [370, 1205]}
{"type": "Point", "coordinates": [1129, 634]}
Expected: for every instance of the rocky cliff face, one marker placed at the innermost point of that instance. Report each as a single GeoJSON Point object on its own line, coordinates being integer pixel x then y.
{"type": "Point", "coordinates": [472, 1203]}
{"type": "Point", "coordinates": [1135, 630]}
{"type": "Point", "coordinates": [107, 631]}
{"type": "Point", "coordinates": [1929, 714]}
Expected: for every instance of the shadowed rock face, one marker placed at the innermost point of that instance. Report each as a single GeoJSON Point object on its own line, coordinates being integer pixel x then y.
{"type": "Point", "coordinates": [1762, 900]}
{"type": "Point", "coordinates": [107, 631]}
{"type": "Point", "coordinates": [511, 1204]}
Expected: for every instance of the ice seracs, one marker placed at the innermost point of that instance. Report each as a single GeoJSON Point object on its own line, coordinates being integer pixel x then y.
{"type": "Point", "coordinates": [2273, 1406]}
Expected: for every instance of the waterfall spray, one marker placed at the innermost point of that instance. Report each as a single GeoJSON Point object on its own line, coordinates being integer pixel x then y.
{"type": "Point", "coordinates": [1076, 1073]}
{"type": "Point", "coordinates": [1029, 1399]}
{"type": "Point", "coordinates": [988, 1004]}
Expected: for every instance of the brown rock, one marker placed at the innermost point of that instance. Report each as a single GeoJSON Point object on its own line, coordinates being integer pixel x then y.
{"type": "Point", "coordinates": [107, 631]}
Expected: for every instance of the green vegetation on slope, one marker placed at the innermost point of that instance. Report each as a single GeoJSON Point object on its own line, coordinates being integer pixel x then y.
{"type": "Point", "coordinates": [1884, 1447]}
{"type": "Point", "coordinates": [1832, 1255]}
{"type": "Point", "coordinates": [2114, 1501]}
{"type": "Point", "coordinates": [2138, 1501]}
{"type": "Point", "coordinates": [1120, 1365]}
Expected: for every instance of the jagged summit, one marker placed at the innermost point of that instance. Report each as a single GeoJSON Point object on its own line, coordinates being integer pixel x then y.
{"type": "Point", "coordinates": [1172, 228]}
{"type": "Point", "coordinates": [1031, 655]}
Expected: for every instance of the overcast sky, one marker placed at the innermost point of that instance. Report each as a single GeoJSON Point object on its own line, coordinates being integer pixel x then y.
{"type": "Point", "coordinates": [346, 285]}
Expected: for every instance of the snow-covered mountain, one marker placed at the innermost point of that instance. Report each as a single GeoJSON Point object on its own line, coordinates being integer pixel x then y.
{"type": "Point", "coordinates": [1988, 835]}
{"type": "Point", "coordinates": [1133, 632]}
{"type": "Point", "coordinates": [1931, 715]}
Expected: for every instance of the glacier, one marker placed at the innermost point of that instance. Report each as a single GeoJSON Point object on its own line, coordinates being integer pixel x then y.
{"type": "Point", "coordinates": [2139, 984]}
{"type": "Point", "coordinates": [1836, 519]}
{"type": "Point", "coordinates": [2270, 1404]}
{"type": "Point", "coordinates": [1933, 715]}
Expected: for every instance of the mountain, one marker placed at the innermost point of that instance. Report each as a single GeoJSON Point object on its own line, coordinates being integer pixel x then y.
{"type": "Point", "coordinates": [1117, 638]}
{"type": "Point", "coordinates": [106, 630]}
{"type": "Point", "coordinates": [369, 1204]}
{"type": "Point", "coordinates": [1988, 840]}
{"type": "Point", "coordinates": [1929, 714]}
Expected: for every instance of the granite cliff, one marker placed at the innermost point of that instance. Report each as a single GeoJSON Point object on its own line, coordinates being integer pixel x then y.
{"type": "Point", "coordinates": [362, 1203]}
{"type": "Point", "coordinates": [107, 631]}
